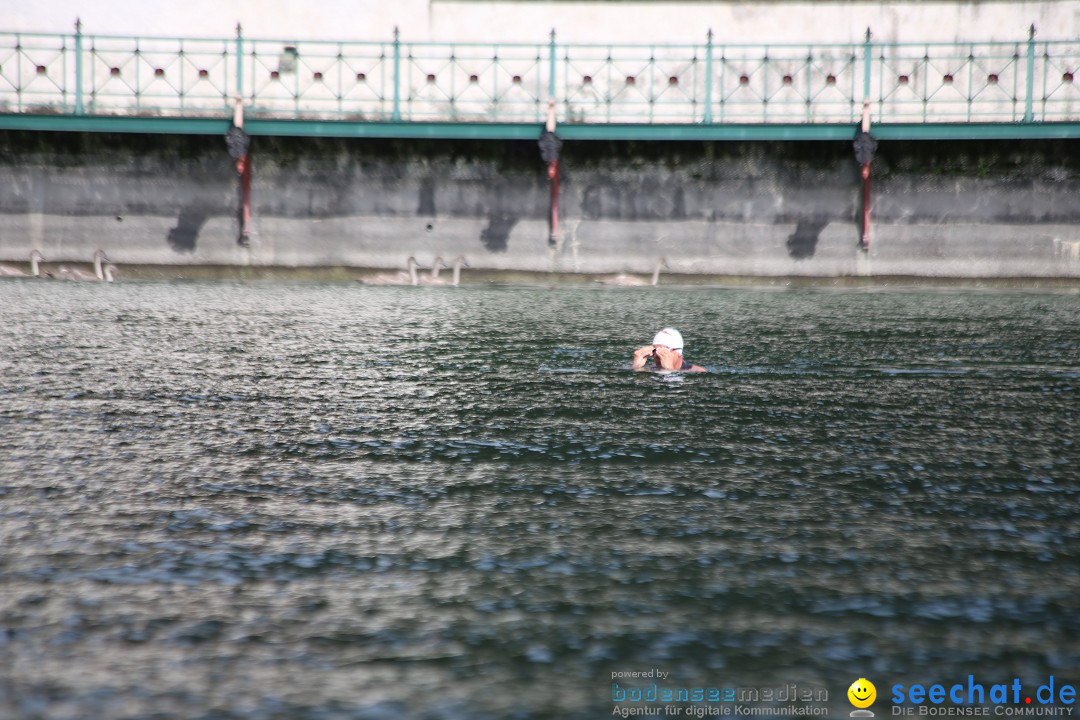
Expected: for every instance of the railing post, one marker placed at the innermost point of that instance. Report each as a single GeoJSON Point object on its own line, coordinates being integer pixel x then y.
{"type": "Point", "coordinates": [867, 61]}
{"type": "Point", "coordinates": [78, 67]}
{"type": "Point", "coordinates": [239, 61]}
{"type": "Point", "coordinates": [765, 87]}
{"type": "Point", "coordinates": [396, 115]}
{"type": "Point", "coordinates": [708, 78]}
{"type": "Point", "coordinates": [1029, 115]}
{"type": "Point", "coordinates": [551, 68]}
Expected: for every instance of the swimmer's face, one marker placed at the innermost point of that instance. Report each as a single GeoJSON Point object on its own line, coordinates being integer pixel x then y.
{"type": "Point", "coordinates": [862, 693]}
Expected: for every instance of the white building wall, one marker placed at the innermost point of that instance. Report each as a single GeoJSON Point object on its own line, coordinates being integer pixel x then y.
{"type": "Point", "coordinates": [600, 21]}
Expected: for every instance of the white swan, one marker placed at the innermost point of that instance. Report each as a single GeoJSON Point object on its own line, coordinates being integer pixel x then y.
{"type": "Point", "coordinates": [459, 261]}
{"type": "Point", "coordinates": [110, 273]}
{"type": "Point", "coordinates": [66, 273]}
{"type": "Point", "coordinates": [661, 263]}
{"type": "Point", "coordinates": [402, 277]}
{"type": "Point", "coordinates": [434, 279]}
{"type": "Point", "coordinates": [625, 280]}
{"type": "Point", "coordinates": [35, 270]}
{"type": "Point", "coordinates": [99, 258]}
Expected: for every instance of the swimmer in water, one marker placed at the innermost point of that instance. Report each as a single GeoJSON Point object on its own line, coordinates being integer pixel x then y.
{"type": "Point", "coordinates": [666, 353]}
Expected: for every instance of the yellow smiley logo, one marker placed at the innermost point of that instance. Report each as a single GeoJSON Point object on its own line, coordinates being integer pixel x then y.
{"type": "Point", "coordinates": [862, 693]}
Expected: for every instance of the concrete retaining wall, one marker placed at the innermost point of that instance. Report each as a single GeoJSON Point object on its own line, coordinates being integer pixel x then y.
{"type": "Point", "coordinates": [957, 209]}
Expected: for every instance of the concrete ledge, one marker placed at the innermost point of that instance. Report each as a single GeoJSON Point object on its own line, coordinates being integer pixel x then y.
{"type": "Point", "coordinates": [553, 280]}
{"type": "Point", "coordinates": [690, 132]}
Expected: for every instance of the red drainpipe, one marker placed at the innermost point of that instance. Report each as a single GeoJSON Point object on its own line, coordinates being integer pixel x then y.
{"type": "Point", "coordinates": [239, 145]}
{"type": "Point", "coordinates": [553, 174]}
{"type": "Point", "coordinates": [866, 206]}
{"type": "Point", "coordinates": [243, 166]}
{"type": "Point", "coordinates": [553, 169]}
{"type": "Point", "coordinates": [866, 183]}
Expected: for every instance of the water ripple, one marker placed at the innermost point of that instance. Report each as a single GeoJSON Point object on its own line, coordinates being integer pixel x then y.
{"type": "Point", "coordinates": [303, 501]}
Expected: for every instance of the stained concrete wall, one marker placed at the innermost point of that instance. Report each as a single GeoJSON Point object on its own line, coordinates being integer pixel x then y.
{"type": "Point", "coordinates": [967, 209]}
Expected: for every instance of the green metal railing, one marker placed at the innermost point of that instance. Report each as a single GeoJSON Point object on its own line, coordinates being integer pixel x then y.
{"type": "Point", "coordinates": [712, 83]}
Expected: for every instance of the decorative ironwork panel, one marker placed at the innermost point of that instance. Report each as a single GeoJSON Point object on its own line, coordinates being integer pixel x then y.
{"type": "Point", "coordinates": [156, 76]}
{"type": "Point", "coordinates": [1056, 80]}
{"type": "Point", "coordinates": [36, 73]}
{"type": "Point", "coordinates": [975, 82]}
{"type": "Point", "coordinates": [316, 79]}
{"type": "Point", "coordinates": [632, 84]}
{"type": "Point", "coordinates": [786, 84]}
{"type": "Point", "coordinates": [473, 82]}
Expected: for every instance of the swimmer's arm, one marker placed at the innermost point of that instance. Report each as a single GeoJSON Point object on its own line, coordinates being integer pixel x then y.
{"type": "Point", "coordinates": [668, 359]}
{"type": "Point", "coordinates": [694, 368]}
{"type": "Point", "coordinates": [641, 356]}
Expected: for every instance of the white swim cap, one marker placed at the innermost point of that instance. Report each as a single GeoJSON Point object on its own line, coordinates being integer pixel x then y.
{"type": "Point", "coordinates": [669, 337]}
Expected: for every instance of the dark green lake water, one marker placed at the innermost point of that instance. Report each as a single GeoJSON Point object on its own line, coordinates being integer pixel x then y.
{"type": "Point", "coordinates": [334, 501]}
